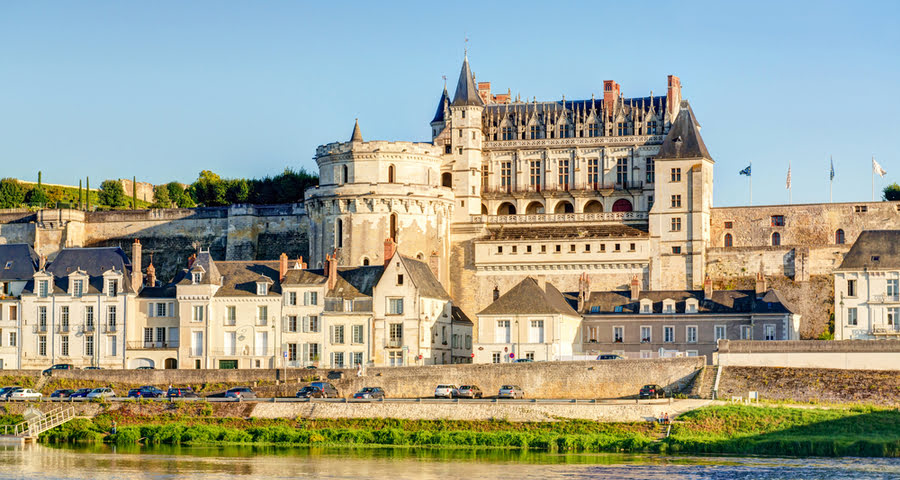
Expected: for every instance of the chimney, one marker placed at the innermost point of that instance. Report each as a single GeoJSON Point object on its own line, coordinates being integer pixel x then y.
{"type": "Point", "coordinates": [302, 263]}
{"type": "Point", "coordinates": [707, 288]}
{"type": "Point", "coordinates": [191, 260]}
{"type": "Point", "coordinates": [760, 284]}
{"type": "Point", "coordinates": [584, 290]}
{"type": "Point", "coordinates": [42, 262]}
{"type": "Point", "coordinates": [389, 249]}
{"type": "Point", "coordinates": [496, 293]}
{"type": "Point", "coordinates": [435, 265]}
{"type": "Point", "coordinates": [151, 274]}
{"type": "Point", "coordinates": [673, 97]}
{"type": "Point", "coordinates": [484, 91]}
{"type": "Point", "coordinates": [331, 271]}
{"type": "Point", "coordinates": [282, 266]}
{"type": "Point", "coordinates": [610, 95]}
{"type": "Point", "coordinates": [635, 288]}
{"type": "Point", "coordinates": [137, 279]}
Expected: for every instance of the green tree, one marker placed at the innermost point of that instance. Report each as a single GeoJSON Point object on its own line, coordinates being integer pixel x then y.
{"type": "Point", "coordinates": [112, 194]}
{"type": "Point", "coordinates": [161, 197]}
{"type": "Point", "coordinates": [178, 196]}
{"type": "Point", "coordinates": [11, 193]}
{"type": "Point", "coordinates": [891, 192]}
{"type": "Point", "coordinates": [37, 196]}
{"type": "Point", "coordinates": [209, 189]}
{"type": "Point", "coordinates": [238, 191]}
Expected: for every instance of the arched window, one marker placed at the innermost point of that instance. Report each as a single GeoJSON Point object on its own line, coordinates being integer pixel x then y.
{"type": "Point", "coordinates": [506, 208]}
{"type": "Point", "coordinates": [345, 178]}
{"type": "Point", "coordinates": [391, 174]}
{"type": "Point", "coordinates": [564, 207]}
{"type": "Point", "coordinates": [420, 256]}
{"type": "Point", "coordinates": [839, 237]}
{"type": "Point", "coordinates": [484, 210]}
{"type": "Point", "coordinates": [776, 239]}
{"type": "Point", "coordinates": [365, 261]}
{"type": "Point", "coordinates": [394, 228]}
{"type": "Point", "coordinates": [593, 207]}
{"type": "Point", "coordinates": [447, 180]}
{"type": "Point", "coordinates": [339, 234]}
{"type": "Point", "coordinates": [622, 205]}
{"type": "Point", "coordinates": [728, 240]}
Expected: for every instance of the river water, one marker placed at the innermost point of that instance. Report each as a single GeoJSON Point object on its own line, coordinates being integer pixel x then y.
{"type": "Point", "coordinates": [246, 462]}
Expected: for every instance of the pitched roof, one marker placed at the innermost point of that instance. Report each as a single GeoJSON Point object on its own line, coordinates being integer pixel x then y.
{"type": "Point", "coordinates": [560, 232]}
{"type": "Point", "coordinates": [528, 298]}
{"type": "Point", "coordinates": [205, 264]}
{"type": "Point", "coordinates": [439, 114]}
{"type": "Point", "coordinates": [18, 261]}
{"type": "Point", "coordinates": [874, 249]}
{"type": "Point", "coordinates": [466, 91]}
{"type": "Point", "coordinates": [459, 317]}
{"type": "Point", "coordinates": [683, 139]}
{"type": "Point", "coordinates": [357, 134]}
{"type": "Point", "coordinates": [619, 302]}
{"type": "Point", "coordinates": [239, 278]}
{"type": "Point", "coordinates": [423, 278]}
{"type": "Point", "coordinates": [92, 261]}
{"type": "Point", "coordinates": [296, 276]}
{"type": "Point", "coordinates": [355, 282]}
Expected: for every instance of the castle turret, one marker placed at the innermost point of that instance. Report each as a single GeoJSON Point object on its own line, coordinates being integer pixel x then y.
{"type": "Point", "coordinates": [438, 123]}
{"type": "Point", "coordinates": [465, 158]}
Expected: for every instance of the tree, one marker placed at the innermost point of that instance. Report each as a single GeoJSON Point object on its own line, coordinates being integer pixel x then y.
{"type": "Point", "coordinates": [37, 196]}
{"type": "Point", "coordinates": [238, 191]}
{"type": "Point", "coordinates": [161, 197]}
{"type": "Point", "coordinates": [112, 193]}
{"type": "Point", "coordinates": [209, 190]}
{"type": "Point", "coordinates": [11, 193]}
{"type": "Point", "coordinates": [891, 192]}
{"type": "Point", "coordinates": [178, 196]}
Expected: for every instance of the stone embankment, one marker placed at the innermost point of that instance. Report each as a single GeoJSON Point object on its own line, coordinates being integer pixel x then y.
{"type": "Point", "coordinates": [818, 385]}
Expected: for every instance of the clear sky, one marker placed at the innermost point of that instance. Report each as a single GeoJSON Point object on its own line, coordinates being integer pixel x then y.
{"type": "Point", "coordinates": [161, 90]}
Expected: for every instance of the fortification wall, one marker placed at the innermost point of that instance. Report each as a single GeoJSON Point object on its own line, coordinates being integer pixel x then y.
{"type": "Point", "coordinates": [855, 355]}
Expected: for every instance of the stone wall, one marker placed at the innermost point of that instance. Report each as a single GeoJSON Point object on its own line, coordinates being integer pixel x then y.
{"type": "Point", "coordinates": [144, 189]}
{"type": "Point", "coordinates": [811, 385]}
{"type": "Point", "coordinates": [855, 355]}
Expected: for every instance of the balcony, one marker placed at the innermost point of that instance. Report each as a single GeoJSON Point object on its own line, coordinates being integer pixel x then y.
{"type": "Point", "coordinates": [600, 217]}
{"type": "Point", "coordinates": [885, 298]}
{"type": "Point", "coordinates": [113, 328]}
{"type": "Point", "coordinates": [229, 322]}
{"type": "Point", "coordinates": [884, 329]}
{"type": "Point", "coordinates": [40, 329]}
{"type": "Point", "coordinates": [394, 343]}
{"type": "Point", "coordinates": [86, 328]}
{"type": "Point", "coordinates": [62, 329]}
{"type": "Point", "coordinates": [152, 345]}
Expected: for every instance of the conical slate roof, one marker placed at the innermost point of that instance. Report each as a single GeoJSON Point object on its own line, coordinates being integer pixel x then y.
{"type": "Point", "coordinates": [439, 114]}
{"type": "Point", "coordinates": [357, 135]}
{"type": "Point", "coordinates": [683, 139]}
{"type": "Point", "coordinates": [466, 91]}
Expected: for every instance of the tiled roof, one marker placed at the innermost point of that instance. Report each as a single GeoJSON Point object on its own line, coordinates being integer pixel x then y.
{"type": "Point", "coordinates": [564, 232]}
{"type": "Point", "coordinates": [683, 139]}
{"type": "Point", "coordinates": [722, 301]}
{"type": "Point", "coordinates": [459, 317]}
{"type": "Point", "coordinates": [92, 261]}
{"type": "Point", "coordinates": [423, 278]}
{"type": "Point", "coordinates": [466, 92]}
{"type": "Point", "coordinates": [240, 278]}
{"type": "Point", "coordinates": [528, 298]}
{"type": "Point", "coordinates": [439, 114]}
{"type": "Point", "coordinates": [296, 276]}
{"type": "Point", "coordinates": [355, 282]}
{"type": "Point", "coordinates": [874, 249]}
{"type": "Point", "coordinates": [18, 261]}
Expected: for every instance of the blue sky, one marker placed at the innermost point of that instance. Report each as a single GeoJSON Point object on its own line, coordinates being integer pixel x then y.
{"type": "Point", "coordinates": [161, 90]}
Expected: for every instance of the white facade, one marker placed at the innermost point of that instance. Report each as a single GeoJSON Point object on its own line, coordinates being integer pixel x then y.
{"type": "Point", "coordinates": [867, 304]}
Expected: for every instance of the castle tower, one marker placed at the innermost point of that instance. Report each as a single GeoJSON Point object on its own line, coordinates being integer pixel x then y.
{"type": "Point", "coordinates": [464, 161]}
{"type": "Point", "coordinates": [372, 190]}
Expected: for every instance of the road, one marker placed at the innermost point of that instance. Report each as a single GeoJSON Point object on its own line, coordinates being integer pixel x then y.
{"type": "Point", "coordinates": [550, 401]}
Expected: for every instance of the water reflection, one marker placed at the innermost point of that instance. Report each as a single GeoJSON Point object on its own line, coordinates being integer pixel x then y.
{"type": "Point", "coordinates": [245, 462]}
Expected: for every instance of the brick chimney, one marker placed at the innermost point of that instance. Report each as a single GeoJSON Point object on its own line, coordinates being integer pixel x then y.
{"type": "Point", "coordinates": [389, 249]}
{"type": "Point", "coordinates": [760, 284]}
{"type": "Point", "coordinates": [191, 260]}
{"type": "Point", "coordinates": [584, 290]}
{"type": "Point", "coordinates": [137, 278]}
{"type": "Point", "coordinates": [331, 271]}
{"type": "Point", "coordinates": [484, 91]}
{"type": "Point", "coordinates": [707, 288]}
{"type": "Point", "coordinates": [282, 266]}
{"type": "Point", "coordinates": [435, 265]}
{"type": "Point", "coordinates": [610, 94]}
{"type": "Point", "coordinates": [673, 97]}
{"type": "Point", "coordinates": [151, 274]}
{"type": "Point", "coordinates": [635, 288]}
{"type": "Point", "coordinates": [496, 293]}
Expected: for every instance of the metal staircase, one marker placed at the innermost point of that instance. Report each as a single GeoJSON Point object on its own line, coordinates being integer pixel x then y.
{"type": "Point", "coordinates": [40, 423]}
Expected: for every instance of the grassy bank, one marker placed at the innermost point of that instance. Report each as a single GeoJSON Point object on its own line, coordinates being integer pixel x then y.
{"type": "Point", "coordinates": [780, 431]}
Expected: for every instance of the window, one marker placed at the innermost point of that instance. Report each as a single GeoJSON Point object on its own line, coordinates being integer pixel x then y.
{"type": "Point", "coordinates": [262, 288]}
{"type": "Point", "coordinates": [746, 332]}
{"type": "Point", "coordinates": [396, 359]}
{"type": "Point", "coordinates": [860, 208]}
{"type": "Point", "coordinates": [721, 333]}
{"type": "Point", "coordinates": [310, 298]}
{"type": "Point", "coordinates": [646, 336]}
{"type": "Point", "coordinates": [64, 346]}
{"type": "Point", "coordinates": [676, 224]}
{"type": "Point", "coordinates": [339, 234]}
{"type": "Point", "coordinates": [892, 315]}
{"type": "Point", "coordinates": [356, 334]}
{"type": "Point", "coordinates": [514, 248]}
{"type": "Point", "coordinates": [851, 288]}
{"type": "Point", "coordinates": [535, 175]}
{"type": "Point", "coordinates": [356, 358]}
{"type": "Point", "coordinates": [400, 279]}
{"type": "Point", "coordinates": [729, 225]}
{"type": "Point", "coordinates": [198, 313]}
{"type": "Point", "coordinates": [622, 128]}
{"type": "Point", "coordinates": [618, 334]}
{"type": "Point", "coordinates": [851, 316]}
{"type": "Point", "coordinates": [262, 315]}
{"type": "Point", "coordinates": [507, 133]}
{"type": "Point", "coordinates": [593, 173]}
{"type": "Point", "coordinates": [396, 334]}
{"type": "Point", "coordinates": [892, 285]}
{"type": "Point", "coordinates": [650, 168]}
{"type": "Point", "coordinates": [148, 336]}
{"type": "Point", "coordinates": [587, 247]}
{"type": "Point", "coordinates": [527, 248]}
{"type": "Point", "coordinates": [535, 132]}
{"type": "Point", "coordinates": [64, 318]}
{"type": "Point", "coordinates": [161, 310]}
{"type": "Point", "coordinates": [622, 171]}
{"type": "Point", "coordinates": [337, 359]}
{"type": "Point", "coordinates": [112, 287]}
{"type": "Point", "coordinates": [43, 288]}
{"type": "Point", "coordinates": [676, 201]}
{"type": "Point", "coordinates": [770, 332]}
{"type": "Point", "coordinates": [776, 239]}
{"type": "Point", "coordinates": [42, 345]}
{"type": "Point", "coordinates": [42, 318]}
{"type": "Point", "coordinates": [89, 318]}
{"type": "Point", "coordinates": [77, 288]}
{"type": "Point", "coordinates": [292, 298]}
{"type": "Point", "coordinates": [777, 220]}
{"type": "Point", "coordinates": [564, 174]}
{"type": "Point", "coordinates": [652, 127]}
{"type": "Point", "coordinates": [669, 334]}
{"type": "Point", "coordinates": [313, 352]}
{"type": "Point", "coordinates": [391, 170]}
{"type": "Point", "coordinates": [691, 334]}
{"type": "Point", "coordinates": [495, 357]}
{"type": "Point", "coordinates": [503, 332]}
{"type": "Point", "coordinates": [111, 318]}
{"type": "Point", "coordinates": [506, 175]}
{"type": "Point", "coordinates": [395, 306]}
{"type": "Point", "coordinates": [536, 333]}
{"type": "Point", "coordinates": [292, 323]}
{"type": "Point", "coordinates": [337, 334]}
{"type": "Point", "coordinates": [89, 345]}
{"type": "Point", "coordinates": [529, 356]}
{"type": "Point", "coordinates": [592, 334]}
{"type": "Point", "coordinates": [593, 129]}
{"type": "Point", "coordinates": [675, 175]}
{"type": "Point", "coordinates": [839, 237]}
{"type": "Point", "coordinates": [197, 276]}
{"type": "Point", "coordinates": [292, 352]}
{"type": "Point", "coordinates": [729, 241]}
{"type": "Point", "coordinates": [617, 247]}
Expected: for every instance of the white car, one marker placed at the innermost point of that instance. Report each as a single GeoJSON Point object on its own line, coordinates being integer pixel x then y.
{"type": "Point", "coordinates": [444, 391]}
{"type": "Point", "coordinates": [101, 393]}
{"type": "Point", "coordinates": [25, 394]}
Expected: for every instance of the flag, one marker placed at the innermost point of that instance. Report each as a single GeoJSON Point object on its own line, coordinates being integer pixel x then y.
{"type": "Point", "coordinates": [832, 170]}
{"type": "Point", "coordinates": [877, 168]}
{"type": "Point", "coordinates": [745, 171]}
{"type": "Point", "coordinates": [789, 178]}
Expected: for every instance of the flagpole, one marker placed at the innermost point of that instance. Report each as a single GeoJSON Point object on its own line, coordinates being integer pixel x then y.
{"type": "Point", "coordinates": [873, 178]}
{"type": "Point", "coordinates": [831, 181]}
{"type": "Point", "coordinates": [790, 187]}
{"type": "Point", "coordinates": [750, 177]}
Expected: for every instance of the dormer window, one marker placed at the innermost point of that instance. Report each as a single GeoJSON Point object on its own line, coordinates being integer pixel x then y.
{"type": "Point", "coordinates": [646, 306]}
{"type": "Point", "coordinates": [668, 306]}
{"type": "Point", "coordinates": [112, 287]}
{"type": "Point", "coordinates": [8, 265]}
{"type": "Point", "coordinates": [690, 306]}
{"type": "Point", "coordinates": [43, 288]}
{"type": "Point", "coordinates": [197, 277]}
{"type": "Point", "coordinates": [77, 288]}
{"type": "Point", "coordinates": [262, 288]}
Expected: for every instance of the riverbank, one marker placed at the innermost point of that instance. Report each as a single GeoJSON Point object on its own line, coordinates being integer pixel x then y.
{"type": "Point", "coordinates": [758, 430]}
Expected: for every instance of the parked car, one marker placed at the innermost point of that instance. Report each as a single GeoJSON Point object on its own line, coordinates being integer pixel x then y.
{"type": "Point", "coordinates": [104, 392]}
{"type": "Point", "coordinates": [468, 391]}
{"type": "Point", "coordinates": [81, 393]}
{"type": "Point", "coordinates": [524, 360]}
{"type": "Point", "coordinates": [7, 391]}
{"type": "Point", "coordinates": [652, 391]}
{"type": "Point", "coordinates": [181, 392]}
{"type": "Point", "coordinates": [610, 356]}
{"type": "Point", "coordinates": [62, 393]}
{"type": "Point", "coordinates": [318, 390]}
{"type": "Point", "coordinates": [370, 393]}
{"type": "Point", "coordinates": [444, 391]}
{"type": "Point", "coordinates": [25, 394]}
{"type": "Point", "coordinates": [146, 391]}
{"type": "Point", "coordinates": [511, 391]}
{"type": "Point", "coordinates": [145, 367]}
{"type": "Point", "coordinates": [58, 366]}
{"type": "Point", "coordinates": [241, 393]}
{"type": "Point", "coordinates": [93, 368]}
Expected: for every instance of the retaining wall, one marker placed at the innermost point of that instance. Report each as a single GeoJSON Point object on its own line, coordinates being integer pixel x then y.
{"type": "Point", "coordinates": [848, 355]}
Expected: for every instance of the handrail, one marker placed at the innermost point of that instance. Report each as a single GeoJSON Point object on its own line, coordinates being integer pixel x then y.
{"type": "Point", "coordinates": [34, 427]}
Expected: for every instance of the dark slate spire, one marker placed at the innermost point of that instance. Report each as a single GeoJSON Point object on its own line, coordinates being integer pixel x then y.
{"type": "Point", "coordinates": [466, 91]}
{"type": "Point", "coordinates": [683, 139]}
{"type": "Point", "coordinates": [439, 114]}
{"type": "Point", "coordinates": [357, 135]}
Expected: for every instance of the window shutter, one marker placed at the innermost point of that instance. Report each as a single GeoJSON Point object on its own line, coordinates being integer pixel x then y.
{"type": "Point", "coordinates": [170, 311]}
{"type": "Point", "coordinates": [150, 309]}
{"type": "Point", "coordinates": [331, 333]}
{"type": "Point", "coordinates": [305, 298]}
{"type": "Point", "coordinates": [305, 324]}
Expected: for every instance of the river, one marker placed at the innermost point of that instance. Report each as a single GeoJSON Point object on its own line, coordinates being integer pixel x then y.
{"type": "Point", "coordinates": [246, 462]}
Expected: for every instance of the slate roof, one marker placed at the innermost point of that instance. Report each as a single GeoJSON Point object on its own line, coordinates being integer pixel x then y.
{"type": "Point", "coordinates": [683, 139]}
{"type": "Point", "coordinates": [296, 276]}
{"type": "Point", "coordinates": [439, 114]}
{"type": "Point", "coordinates": [871, 244]}
{"type": "Point", "coordinates": [18, 261]}
{"type": "Point", "coordinates": [499, 109]}
{"type": "Point", "coordinates": [459, 317]}
{"type": "Point", "coordinates": [528, 298]}
{"type": "Point", "coordinates": [205, 264]}
{"type": "Point", "coordinates": [165, 291]}
{"type": "Point", "coordinates": [355, 282]}
{"type": "Point", "coordinates": [722, 302]}
{"type": "Point", "coordinates": [423, 278]}
{"type": "Point", "coordinates": [564, 232]}
{"type": "Point", "coordinates": [239, 278]}
{"type": "Point", "coordinates": [92, 261]}
{"type": "Point", "coordinates": [466, 91]}
{"type": "Point", "coordinates": [357, 134]}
